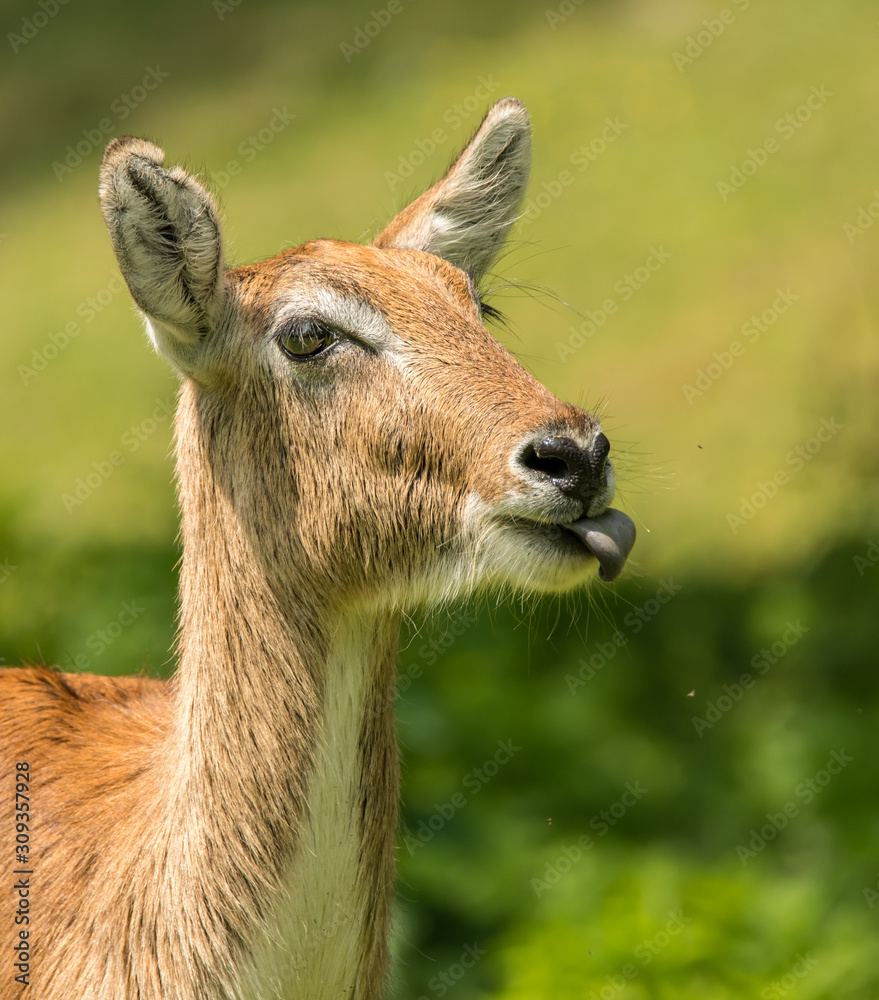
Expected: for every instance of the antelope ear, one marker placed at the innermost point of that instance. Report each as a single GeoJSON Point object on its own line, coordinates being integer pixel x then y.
{"type": "Point", "coordinates": [466, 216]}
{"type": "Point", "coordinates": [165, 231]}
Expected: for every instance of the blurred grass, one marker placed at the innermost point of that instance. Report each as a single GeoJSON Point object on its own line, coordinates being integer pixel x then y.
{"type": "Point", "coordinates": [684, 465]}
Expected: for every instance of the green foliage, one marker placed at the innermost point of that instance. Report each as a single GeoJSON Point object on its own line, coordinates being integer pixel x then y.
{"type": "Point", "coordinates": [648, 926]}
{"type": "Point", "coordinates": [624, 803]}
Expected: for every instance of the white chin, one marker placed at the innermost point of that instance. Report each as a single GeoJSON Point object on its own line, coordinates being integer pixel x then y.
{"type": "Point", "coordinates": [519, 555]}
{"type": "Point", "coordinates": [532, 558]}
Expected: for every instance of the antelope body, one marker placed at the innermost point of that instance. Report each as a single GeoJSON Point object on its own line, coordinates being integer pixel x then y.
{"type": "Point", "coordinates": [350, 442]}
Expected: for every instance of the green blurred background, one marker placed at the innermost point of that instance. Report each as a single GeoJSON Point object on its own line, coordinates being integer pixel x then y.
{"type": "Point", "coordinates": [597, 804]}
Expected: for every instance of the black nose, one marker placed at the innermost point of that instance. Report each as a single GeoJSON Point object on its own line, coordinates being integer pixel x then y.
{"type": "Point", "coordinates": [577, 472]}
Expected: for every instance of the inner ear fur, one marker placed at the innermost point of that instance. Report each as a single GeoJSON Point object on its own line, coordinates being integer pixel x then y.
{"type": "Point", "coordinates": [466, 217]}
{"type": "Point", "coordinates": [165, 231]}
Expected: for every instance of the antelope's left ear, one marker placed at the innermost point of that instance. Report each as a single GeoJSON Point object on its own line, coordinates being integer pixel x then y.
{"type": "Point", "coordinates": [466, 216]}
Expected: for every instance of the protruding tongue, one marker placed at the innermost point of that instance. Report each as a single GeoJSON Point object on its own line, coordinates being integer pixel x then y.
{"type": "Point", "coordinates": [609, 538]}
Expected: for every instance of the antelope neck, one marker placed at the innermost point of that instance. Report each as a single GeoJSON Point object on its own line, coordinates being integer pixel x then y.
{"type": "Point", "coordinates": [288, 773]}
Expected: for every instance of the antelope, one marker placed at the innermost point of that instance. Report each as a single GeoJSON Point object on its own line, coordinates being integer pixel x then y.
{"type": "Point", "coordinates": [351, 443]}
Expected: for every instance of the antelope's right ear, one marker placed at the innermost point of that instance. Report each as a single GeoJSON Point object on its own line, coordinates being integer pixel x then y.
{"type": "Point", "coordinates": [466, 216]}
{"type": "Point", "coordinates": [165, 231]}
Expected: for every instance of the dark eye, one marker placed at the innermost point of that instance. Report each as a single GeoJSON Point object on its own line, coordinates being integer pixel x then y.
{"type": "Point", "coordinates": [306, 339]}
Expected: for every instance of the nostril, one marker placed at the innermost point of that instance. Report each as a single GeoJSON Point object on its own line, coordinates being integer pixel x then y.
{"type": "Point", "coordinates": [576, 472]}
{"type": "Point", "coordinates": [542, 459]}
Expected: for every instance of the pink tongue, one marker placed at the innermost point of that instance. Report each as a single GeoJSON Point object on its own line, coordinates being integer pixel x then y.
{"type": "Point", "coordinates": [609, 538]}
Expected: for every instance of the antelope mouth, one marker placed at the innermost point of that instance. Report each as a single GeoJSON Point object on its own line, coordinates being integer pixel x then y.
{"type": "Point", "coordinates": [609, 537]}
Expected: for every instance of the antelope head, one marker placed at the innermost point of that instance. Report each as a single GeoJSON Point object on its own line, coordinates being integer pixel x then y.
{"type": "Point", "coordinates": [345, 414]}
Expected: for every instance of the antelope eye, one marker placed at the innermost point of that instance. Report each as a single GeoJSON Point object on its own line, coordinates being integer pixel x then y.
{"type": "Point", "coordinates": [306, 339]}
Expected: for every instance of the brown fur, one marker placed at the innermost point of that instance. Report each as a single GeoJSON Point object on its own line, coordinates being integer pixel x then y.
{"type": "Point", "coordinates": [317, 501]}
